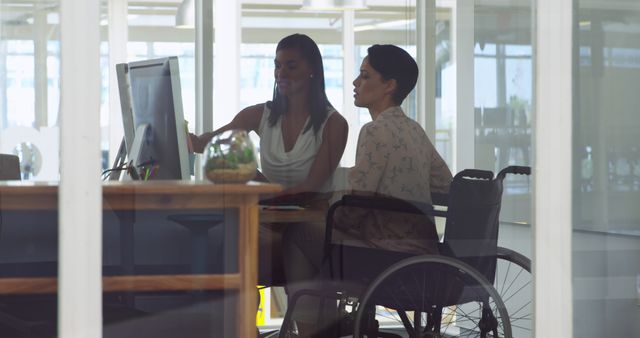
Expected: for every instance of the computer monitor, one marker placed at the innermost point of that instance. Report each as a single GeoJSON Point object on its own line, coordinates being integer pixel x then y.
{"type": "Point", "coordinates": [153, 121]}
{"type": "Point", "coordinates": [124, 89]}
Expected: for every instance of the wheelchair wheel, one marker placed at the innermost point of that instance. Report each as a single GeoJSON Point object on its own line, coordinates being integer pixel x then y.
{"type": "Point", "coordinates": [431, 296]}
{"type": "Point", "coordinates": [514, 285]}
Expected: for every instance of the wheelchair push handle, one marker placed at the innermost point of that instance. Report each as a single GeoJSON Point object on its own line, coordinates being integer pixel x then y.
{"type": "Point", "coordinates": [475, 174]}
{"type": "Point", "coordinates": [514, 169]}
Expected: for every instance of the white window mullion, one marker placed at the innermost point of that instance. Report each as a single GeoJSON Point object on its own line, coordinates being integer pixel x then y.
{"type": "Point", "coordinates": [80, 194]}
{"type": "Point", "coordinates": [348, 70]}
{"type": "Point", "coordinates": [40, 37]}
{"type": "Point", "coordinates": [426, 55]}
{"type": "Point", "coordinates": [552, 169]}
{"type": "Point", "coordinates": [226, 63]}
{"type": "Point", "coordinates": [463, 58]}
{"type": "Point", "coordinates": [118, 38]}
{"type": "Point", "coordinates": [204, 66]}
{"type": "Point", "coordinates": [204, 71]}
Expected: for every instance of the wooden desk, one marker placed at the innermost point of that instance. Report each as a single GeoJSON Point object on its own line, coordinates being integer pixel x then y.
{"type": "Point", "coordinates": [158, 195]}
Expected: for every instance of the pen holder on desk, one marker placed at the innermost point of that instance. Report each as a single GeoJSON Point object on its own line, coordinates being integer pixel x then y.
{"type": "Point", "coordinates": [230, 158]}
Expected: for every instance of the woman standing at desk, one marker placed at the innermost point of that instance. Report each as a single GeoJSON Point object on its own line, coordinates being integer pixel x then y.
{"type": "Point", "coordinates": [302, 137]}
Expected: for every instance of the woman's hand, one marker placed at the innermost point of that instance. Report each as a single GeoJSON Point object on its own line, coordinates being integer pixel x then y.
{"type": "Point", "coordinates": [197, 143]}
{"type": "Point", "coordinates": [189, 143]}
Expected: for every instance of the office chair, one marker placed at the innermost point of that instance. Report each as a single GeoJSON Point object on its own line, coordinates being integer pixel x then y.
{"type": "Point", "coordinates": [9, 167]}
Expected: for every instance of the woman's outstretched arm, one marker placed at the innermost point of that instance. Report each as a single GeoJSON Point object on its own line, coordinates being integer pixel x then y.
{"type": "Point", "coordinates": [247, 119]}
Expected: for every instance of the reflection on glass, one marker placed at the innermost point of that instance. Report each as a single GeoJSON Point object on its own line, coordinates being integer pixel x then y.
{"type": "Point", "coordinates": [503, 103]}
{"type": "Point", "coordinates": [606, 170]}
{"type": "Point", "coordinates": [29, 104]}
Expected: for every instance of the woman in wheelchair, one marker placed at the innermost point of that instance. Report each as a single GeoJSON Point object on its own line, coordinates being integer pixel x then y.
{"type": "Point", "coordinates": [394, 158]}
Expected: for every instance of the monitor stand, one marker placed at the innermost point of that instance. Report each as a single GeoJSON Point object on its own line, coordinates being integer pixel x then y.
{"type": "Point", "coordinates": [118, 162]}
{"type": "Point", "coordinates": [140, 146]}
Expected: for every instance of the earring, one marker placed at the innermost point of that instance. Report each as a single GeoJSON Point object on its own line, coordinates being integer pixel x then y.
{"type": "Point", "coordinates": [311, 76]}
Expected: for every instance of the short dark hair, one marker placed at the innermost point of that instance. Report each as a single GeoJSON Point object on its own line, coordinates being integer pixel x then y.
{"type": "Point", "coordinates": [317, 100]}
{"type": "Point", "coordinates": [393, 62]}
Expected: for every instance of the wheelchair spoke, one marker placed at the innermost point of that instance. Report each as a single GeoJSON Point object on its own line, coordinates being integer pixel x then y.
{"type": "Point", "coordinates": [504, 281]}
{"type": "Point", "coordinates": [513, 316]}
{"type": "Point", "coordinates": [401, 314]}
{"type": "Point", "coordinates": [468, 319]}
{"type": "Point", "coordinates": [422, 287]}
{"type": "Point", "coordinates": [513, 283]}
{"type": "Point", "coordinates": [395, 299]}
{"type": "Point", "coordinates": [406, 321]}
{"type": "Point", "coordinates": [422, 296]}
{"type": "Point", "coordinates": [505, 299]}
{"type": "Point", "coordinates": [409, 296]}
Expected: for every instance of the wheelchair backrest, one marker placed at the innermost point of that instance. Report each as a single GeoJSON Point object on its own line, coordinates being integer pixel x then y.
{"type": "Point", "coordinates": [471, 232]}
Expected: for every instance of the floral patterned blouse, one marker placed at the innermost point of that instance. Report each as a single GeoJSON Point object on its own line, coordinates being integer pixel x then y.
{"type": "Point", "coordinates": [394, 158]}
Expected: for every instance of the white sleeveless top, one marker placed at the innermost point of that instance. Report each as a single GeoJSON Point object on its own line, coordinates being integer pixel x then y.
{"type": "Point", "coordinates": [289, 168]}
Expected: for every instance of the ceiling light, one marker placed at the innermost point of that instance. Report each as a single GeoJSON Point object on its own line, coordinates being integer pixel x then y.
{"type": "Point", "coordinates": [385, 24]}
{"type": "Point", "coordinates": [185, 18]}
{"type": "Point", "coordinates": [333, 5]}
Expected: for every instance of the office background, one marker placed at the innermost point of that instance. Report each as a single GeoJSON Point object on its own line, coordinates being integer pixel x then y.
{"type": "Point", "coordinates": [476, 99]}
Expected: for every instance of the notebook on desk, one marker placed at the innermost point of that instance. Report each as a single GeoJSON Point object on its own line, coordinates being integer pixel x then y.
{"type": "Point", "coordinates": [9, 167]}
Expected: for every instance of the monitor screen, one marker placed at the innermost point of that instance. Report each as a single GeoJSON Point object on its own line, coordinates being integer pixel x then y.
{"type": "Point", "coordinates": [155, 134]}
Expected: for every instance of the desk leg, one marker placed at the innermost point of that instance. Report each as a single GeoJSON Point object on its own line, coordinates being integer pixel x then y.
{"type": "Point", "coordinates": [248, 269]}
{"type": "Point", "coordinates": [127, 259]}
{"type": "Point", "coordinates": [198, 226]}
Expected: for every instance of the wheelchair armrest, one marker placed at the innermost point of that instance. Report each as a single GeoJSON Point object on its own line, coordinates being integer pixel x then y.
{"type": "Point", "coordinates": [373, 202]}
{"type": "Point", "coordinates": [384, 203]}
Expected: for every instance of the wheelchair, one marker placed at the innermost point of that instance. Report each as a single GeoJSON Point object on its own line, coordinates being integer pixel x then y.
{"type": "Point", "coordinates": [472, 288]}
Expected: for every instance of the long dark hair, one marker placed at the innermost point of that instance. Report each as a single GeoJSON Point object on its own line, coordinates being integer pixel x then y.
{"type": "Point", "coordinates": [317, 100]}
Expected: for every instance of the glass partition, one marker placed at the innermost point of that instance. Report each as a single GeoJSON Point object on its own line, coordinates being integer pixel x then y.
{"type": "Point", "coordinates": [29, 159]}
{"type": "Point", "coordinates": [503, 78]}
{"type": "Point", "coordinates": [262, 28]}
{"type": "Point", "coordinates": [503, 113]}
{"type": "Point", "coordinates": [170, 269]}
{"type": "Point", "coordinates": [30, 84]}
{"type": "Point", "coordinates": [192, 244]}
{"type": "Point", "coordinates": [606, 170]}
{"type": "Point", "coordinates": [502, 90]}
